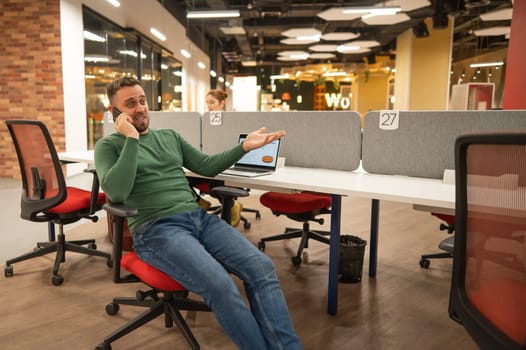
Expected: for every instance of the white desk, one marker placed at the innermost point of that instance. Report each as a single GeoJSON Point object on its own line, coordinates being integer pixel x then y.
{"type": "Point", "coordinates": [417, 191]}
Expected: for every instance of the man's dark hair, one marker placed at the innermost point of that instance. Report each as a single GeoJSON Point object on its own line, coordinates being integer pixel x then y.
{"type": "Point", "coordinates": [117, 84]}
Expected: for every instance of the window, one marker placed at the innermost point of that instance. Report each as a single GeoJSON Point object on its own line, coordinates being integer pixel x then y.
{"type": "Point", "coordinates": [110, 52]}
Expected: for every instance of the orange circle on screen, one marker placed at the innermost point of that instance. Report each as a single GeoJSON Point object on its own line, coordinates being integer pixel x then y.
{"type": "Point", "coordinates": [267, 159]}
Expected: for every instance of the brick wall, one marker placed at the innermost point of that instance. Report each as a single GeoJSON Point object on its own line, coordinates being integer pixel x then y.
{"type": "Point", "coordinates": [30, 72]}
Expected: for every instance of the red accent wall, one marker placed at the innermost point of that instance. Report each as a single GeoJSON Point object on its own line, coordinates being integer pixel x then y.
{"type": "Point", "coordinates": [514, 95]}
{"type": "Point", "coordinates": [30, 72]}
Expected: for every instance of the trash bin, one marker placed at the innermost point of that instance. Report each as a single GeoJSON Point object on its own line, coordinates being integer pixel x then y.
{"type": "Point", "coordinates": [352, 250]}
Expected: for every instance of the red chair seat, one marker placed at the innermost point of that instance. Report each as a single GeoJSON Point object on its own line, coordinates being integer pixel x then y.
{"type": "Point", "coordinates": [149, 274]}
{"type": "Point", "coordinates": [503, 303]}
{"type": "Point", "coordinates": [450, 219]}
{"type": "Point", "coordinates": [203, 187]}
{"type": "Point", "coordinates": [76, 200]}
{"type": "Point", "coordinates": [295, 203]}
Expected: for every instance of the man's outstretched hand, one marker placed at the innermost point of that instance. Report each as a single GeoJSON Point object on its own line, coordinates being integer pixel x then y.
{"type": "Point", "coordinates": [260, 138]}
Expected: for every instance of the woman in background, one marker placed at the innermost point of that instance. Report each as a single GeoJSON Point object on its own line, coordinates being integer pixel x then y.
{"type": "Point", "coordinates": [215, 100]}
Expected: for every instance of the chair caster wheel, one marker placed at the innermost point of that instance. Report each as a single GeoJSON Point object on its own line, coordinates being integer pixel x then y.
{"type": "Point", "coordinates": [109, 263]}
{"type": "Point", "coordinates": [296, 260]}
{"type": "Point", "coordinates": [112, 309]}
{"type": "Point", "coordinates": [424, 263]}
{"type": "Point", "coordinates": [261, 246]}
{"type": "Point", "coordinates": [258, 216]}
{"type": "Point", "coordinates": [57, 280]}
{"type": "Point", "coordinates": [246, 225]}
{"type": "Point", "coordinates": [8, 271]}
{"type": "Point", "coordinates": [92, 246]}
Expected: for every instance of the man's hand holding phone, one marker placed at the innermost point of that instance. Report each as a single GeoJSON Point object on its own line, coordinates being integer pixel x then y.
{"type": "Point", "coordinates": [123, 124]}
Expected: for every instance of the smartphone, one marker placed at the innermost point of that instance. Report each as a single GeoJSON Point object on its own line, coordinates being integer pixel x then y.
{"type": "Point", "coordinates": [115, 111]}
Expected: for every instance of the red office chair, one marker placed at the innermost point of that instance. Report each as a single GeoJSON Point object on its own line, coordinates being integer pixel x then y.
{"type": "Point", "coordinates": [166, 296]}
{"type": "Point", "coordinates": [302, 207]}
{"type": "Point", "coordinates": [488, 289]}
{"type": "Point", "coordinates": [46, 198]}
{"type": "Point", "coordinates": [447, 245]}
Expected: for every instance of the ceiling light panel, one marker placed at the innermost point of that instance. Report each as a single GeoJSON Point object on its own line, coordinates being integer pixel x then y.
{"type": "Point", "coordinates": [345, 50]}
{"type": "Point", "coordinates": [386, 20]}
{"type": "Point", "coordinates": [290, 58]}
{"type": "Point", "coordinates": [364, 43]}
{"type": "Point", "coordinates": [295, 41]}
{"type": "Point", "coordinates": [499, 15]}
{"type": "Point", "coordinates": [301, 32]}
{"type": "Point", "coordinates": [292, 53]}
{"type": "Point", "coordinates": [323, 48]}
{"type": "Point", "coordinates": [336, 14]}
{"type": "Point", "coordinates": [212, 14]}
{"type": "Point", "coordinates": [406, 5]}
{"type": "Point", "coordinates": [339, 36]}
{"type": "Point", "coordinates": [322, 55]}
{"type": "Point", "coordinates": [493, 31]}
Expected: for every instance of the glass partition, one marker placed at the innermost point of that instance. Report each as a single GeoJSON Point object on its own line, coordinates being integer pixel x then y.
{"type": "Point", "coordinates": [110, 52]}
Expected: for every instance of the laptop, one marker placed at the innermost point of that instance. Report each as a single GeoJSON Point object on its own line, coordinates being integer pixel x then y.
{"type": "Point", "coordinates": [258, 162]}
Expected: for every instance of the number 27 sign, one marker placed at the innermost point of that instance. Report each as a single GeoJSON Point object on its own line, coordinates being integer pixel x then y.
{"type": "Point", "coordinates": [389, 120]}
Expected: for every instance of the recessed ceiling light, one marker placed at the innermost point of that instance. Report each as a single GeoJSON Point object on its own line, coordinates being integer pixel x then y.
{"type": "Point", "coordinates": [212, 14]}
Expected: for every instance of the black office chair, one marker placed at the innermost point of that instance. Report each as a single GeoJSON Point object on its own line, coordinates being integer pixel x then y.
{"type": "Point", "coordinates": [47, 198]}
{"type": "Point", "coordinates": [303, 207]}
{"type": "Point", "coordinates": [207, 186]}
{"type": "Point", "coordinates": [447, 244]}
{"type": "Point", "coordinates": [488, 289]}
{"type": "Point", "coordinates": [165, 296]}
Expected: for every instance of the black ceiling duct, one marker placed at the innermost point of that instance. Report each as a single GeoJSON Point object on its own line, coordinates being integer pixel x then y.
{"type": "Point", "coordinates": [440, 21]}
{"type": "Point", "coordinates": [420, 30]}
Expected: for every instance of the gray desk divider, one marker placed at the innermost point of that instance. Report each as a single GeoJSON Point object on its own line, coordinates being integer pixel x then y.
{"type": "Point", "coordinates": [424, 143]}
{"type": "Point", "coordinates": [187, 124]}
{"type": "Point", "coordinates": [315, 139]}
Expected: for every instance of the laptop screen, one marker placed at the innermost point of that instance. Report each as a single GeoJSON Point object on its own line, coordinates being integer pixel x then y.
{"type": "Point", "coordinates": [265, 157]}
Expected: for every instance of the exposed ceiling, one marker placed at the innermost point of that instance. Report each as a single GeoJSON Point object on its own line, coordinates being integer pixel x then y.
{"type": "Point", "coordinates": [256, 37]}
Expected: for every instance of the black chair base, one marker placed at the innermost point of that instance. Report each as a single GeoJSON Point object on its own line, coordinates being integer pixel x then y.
{"type": "Point", "coordinates": [447, 245]}
{"type": "Point", "coordinates": [305, 234]}
{"type": "Point", "coordinates": [60, 246]}
{"type": "Point", "coordinates": [170, 304]}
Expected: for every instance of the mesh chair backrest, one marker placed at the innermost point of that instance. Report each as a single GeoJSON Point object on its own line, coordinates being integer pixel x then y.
{"type": "Point", "coordinates": [490, 239]}
{"type": "Point", "coordinates": [42, 178]}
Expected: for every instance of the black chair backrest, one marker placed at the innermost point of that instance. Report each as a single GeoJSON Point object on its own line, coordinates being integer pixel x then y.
{"type": "Point", "coordinates": [488, 291]}
{"type": "Point", "coordinates": [44, 185]}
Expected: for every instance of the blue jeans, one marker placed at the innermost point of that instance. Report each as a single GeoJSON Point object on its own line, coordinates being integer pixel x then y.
{"type": "Point", "coordinates": [199, 251]}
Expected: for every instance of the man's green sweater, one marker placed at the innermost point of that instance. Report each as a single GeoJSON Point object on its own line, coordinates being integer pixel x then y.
{"type": "Point", "coordinates": [148, 174]}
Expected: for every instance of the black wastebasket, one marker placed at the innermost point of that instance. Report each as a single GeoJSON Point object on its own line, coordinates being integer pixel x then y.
{"type": "Point", "coordinates": [352, 250]}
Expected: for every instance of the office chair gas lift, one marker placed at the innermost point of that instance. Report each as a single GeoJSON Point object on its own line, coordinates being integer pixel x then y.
{"type": "Point", "coordinates": [47, 198]}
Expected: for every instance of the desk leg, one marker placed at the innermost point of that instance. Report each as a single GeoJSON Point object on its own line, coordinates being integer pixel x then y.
{"type": "Point", "coordinates": [373, 245]}
{"type": "Point", "coordinates": [334, 250]}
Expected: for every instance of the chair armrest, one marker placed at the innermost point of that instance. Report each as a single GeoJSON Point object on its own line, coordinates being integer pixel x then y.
{"type": "Point", "coordinates": [119, 212]}
{"type": "Point", "coordinates": [120, 209]}
{"type": "Point", "coordinates": [226, 196]}
{"type": "Point", "coordinates": [94, 191]}
{"type": "Point", "coordinates": [227, 191]}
